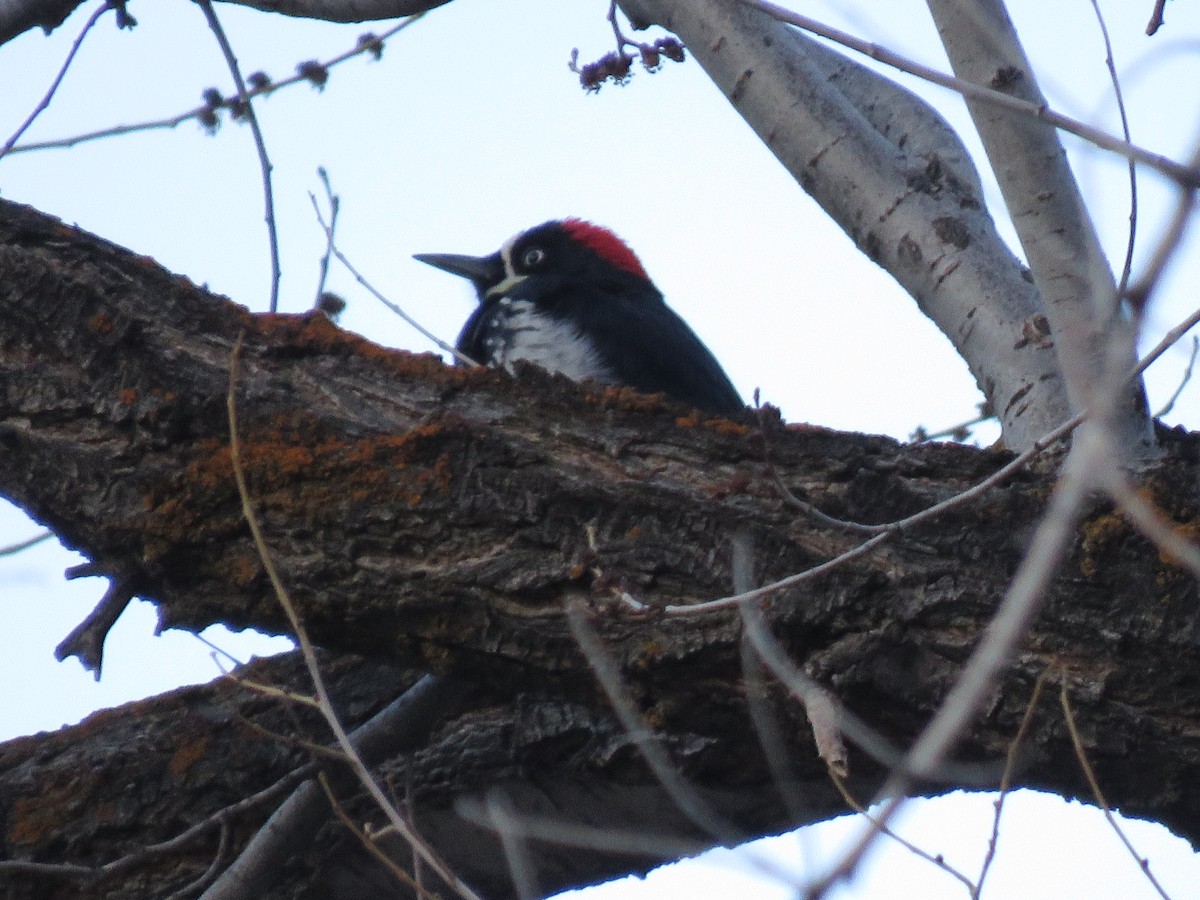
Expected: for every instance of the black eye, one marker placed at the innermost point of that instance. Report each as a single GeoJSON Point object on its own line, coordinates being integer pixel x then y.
{"type": "Point", "coordinates": [532, 258]}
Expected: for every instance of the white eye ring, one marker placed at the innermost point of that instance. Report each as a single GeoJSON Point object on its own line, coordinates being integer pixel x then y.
{"type": "Point", "coordinates": [533, 257]}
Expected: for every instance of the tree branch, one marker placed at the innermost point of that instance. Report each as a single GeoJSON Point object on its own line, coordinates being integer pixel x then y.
{"type": "Point", "coordinates": [1094, 342]}
{"type": "Point", "coordinates": [445, 518]}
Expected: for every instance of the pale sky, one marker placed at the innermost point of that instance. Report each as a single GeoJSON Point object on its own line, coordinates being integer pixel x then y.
{"type": "Point", "coordinates": [470, 129]}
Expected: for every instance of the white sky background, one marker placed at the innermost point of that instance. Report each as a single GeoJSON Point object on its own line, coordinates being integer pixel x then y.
{"type": "Point", "coordinates": [471, 129]}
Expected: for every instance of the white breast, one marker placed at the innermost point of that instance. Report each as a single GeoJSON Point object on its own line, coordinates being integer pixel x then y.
{"type": "Point", "coordinates": [519, 331]}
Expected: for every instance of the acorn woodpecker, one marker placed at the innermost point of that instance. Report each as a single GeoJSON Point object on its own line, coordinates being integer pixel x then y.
{"type": "Point", "coordinates": [571, 297]}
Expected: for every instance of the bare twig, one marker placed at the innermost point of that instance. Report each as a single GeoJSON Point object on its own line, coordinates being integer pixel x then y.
{"type": "Point", "coordinates": [370, 845]}
{"type": "Point", "coordinates": [1183, 382]}
{"type": "Point", "coordinates": [1014, 749]}
{"type": "Point", "coordinates": [1086, 767]}
{"type": "Point", "coordinates": [86, 640]}
{"type": "Point", "coordinates": [766, 726]}
{"type": "Point", "coordinates": [1169, 339]}
{"type": "Point", "coordinates": [14, 549]}
{"type": "Point", "coordinates": [625, 840]}
{"type": "Point", "coordinates": [200, 112]}
{"type": "Point", "coordinates": [245, 108]}
{"type": "Point", "coordinates": [1156, 17]}
{"type": "Point", "coordinates": [1123, 281]}
{"type": "Point", "coordinates": [936, 860]}
{"type": "Point", "coordinates": [401, 724]}
{"type": "Point", "coordinates": [341, 257]}
{"type": "Point", "coordinates": [825, 717]}
{"type": "Point", "coordinates": [1138, 294]}
{"type": "Point", "coordinates": [208, 875]}
{"type": "Point", "coordinates": [506, 823]}
{"type": "Point", "coordinates": [857, 731]}
{"type": "Point", "coordinates": [335, 204]}
{"type": "Point", "coordinates": [959, 432]}
{"type": "Point", "coordinates": [884, 531]}
{"type": "Point", "coordinates": [44, 103]}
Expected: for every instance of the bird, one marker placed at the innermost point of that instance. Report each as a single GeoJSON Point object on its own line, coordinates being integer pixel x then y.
{"type": "Point", "coordinates": [573, 298]}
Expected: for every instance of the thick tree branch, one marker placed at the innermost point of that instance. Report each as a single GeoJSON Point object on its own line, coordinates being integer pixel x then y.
{"type": "Point", "coordinates": [445, 518]}
{"type": "Point", "coordinates": [1093, 341]}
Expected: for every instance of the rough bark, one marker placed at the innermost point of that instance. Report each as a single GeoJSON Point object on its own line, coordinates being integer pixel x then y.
{"type": "Point", "coordinates": [443, 519]}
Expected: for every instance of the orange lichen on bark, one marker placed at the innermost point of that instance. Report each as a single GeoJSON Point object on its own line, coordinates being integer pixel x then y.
{"type": "Point", "coordinates": [1099, 534]}
{"type": "Point", "coordinates": [725, 427]}
{"type": "Point", "coordinates": [127, 397]}
{"type": "Point", "coordinates": [293, 469]}
{"type": "Point", "coordinates": [100, 323]}
{"type": "Point", "coordinates": [35, 819]}
{"type": "Point", "coordinates": [244, 568]}
{"type": "Point", "coordinates": [316, 333]}
{"type": "Point", "coordinates": [629, 399]}
{"type": "Point", "coordinates": [188, 754]}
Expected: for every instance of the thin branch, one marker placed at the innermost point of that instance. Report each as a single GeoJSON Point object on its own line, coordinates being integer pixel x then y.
{"type": "Point", "coordinates": [365, 840]}
{"type": "Point", "coordinates": [335, 205]}
{"type": "Point", "coordinates": [1183, 382]}
{"type": "Point", "coordinates": [857, 731]}
{"type": "Point", "coordinates": [44, 103]}
{"type": "Point", "coordinates": [936, 860]}
{"type": "Point", "coordinates": [767, 727]}
{"type": "Point", "coordinates": [341, 257]}
{"type": "Point", "coordinates": [1184, 175]}
{"type": "Point", "coordinates": [210, 874]}
{"type": "Point", "coordinates": [304, 75]}
{"type": "Point", "coordinates": [14, 549]}
{"type": "Point", "coordinates": [825, 716]}
{"type": "Point", "coordinates": [1156, 18]}
{"type": "Point", "coordinates": [245, 108]}
{"type": "Point", "coordinates": [506, 824]}
{"type": "Point", "coordinates": [86, 640]}
{"type": "Point", "coordinates": [885, 531]}
{"type": "Point", "coordinates": [399, 725]}
{"type": "Point", "coordinates": [1010, 767]}
{"type": "Point", "coordinates": [1169, 340]}
{"type": "Point", "coordinates": [1139, 293]}
{"type": "Point", "coordinates": [791, 499]}
{"type": "Point", "coordinates": [1123, 281]}
{"type": "Point", "coordinates": [959, 432]}
{"type": "Point", "coordinates": [1086, 767]}
{"type": "Point", "coordinates": [626, 840]}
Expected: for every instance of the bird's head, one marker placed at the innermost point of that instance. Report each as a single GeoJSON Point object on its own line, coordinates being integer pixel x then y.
{"type": "Point", "coordinates": [562, 251]}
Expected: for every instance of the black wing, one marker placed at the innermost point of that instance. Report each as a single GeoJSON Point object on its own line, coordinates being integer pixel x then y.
{"type": "Point", "coordinates": [648, 347]}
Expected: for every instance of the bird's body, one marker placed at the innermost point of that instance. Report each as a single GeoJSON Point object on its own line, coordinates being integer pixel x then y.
{"type": "Point", "coordinates": [571, 297]}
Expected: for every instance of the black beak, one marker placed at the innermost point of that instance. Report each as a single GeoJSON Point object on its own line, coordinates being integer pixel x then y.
{"type": "Point", "coordinates": [484, 271]}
